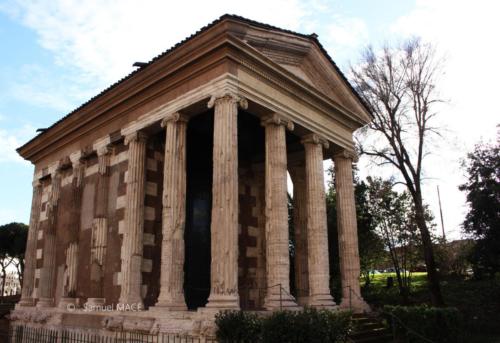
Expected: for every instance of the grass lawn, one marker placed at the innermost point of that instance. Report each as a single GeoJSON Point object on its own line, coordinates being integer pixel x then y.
{"type": "Point", "coordinates": [477, 300]}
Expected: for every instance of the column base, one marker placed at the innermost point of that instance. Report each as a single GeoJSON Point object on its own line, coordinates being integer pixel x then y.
{"type": "Point", "coordinates": [26, 302]}
{"type": "Point", "coordinates": [355, 305]}
{"type": "Point", "coordinates": [45, 302]}
{"type": "Point", "coordinates": [275, 301]}
{"type": "Point", "coordinates": [323, 301]}
{"type": "Point", "coordinates": [223, 302]}
{"type": "Point", "coordinates": [169, 305]}
{"type": "Point", "coordinates": [303, 300]}
{"type": "Point", "coordinates": [67, 303]}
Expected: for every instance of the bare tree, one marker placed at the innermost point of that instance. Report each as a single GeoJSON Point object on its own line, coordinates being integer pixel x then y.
{"type": "Point", "coordinates": [398, 84]}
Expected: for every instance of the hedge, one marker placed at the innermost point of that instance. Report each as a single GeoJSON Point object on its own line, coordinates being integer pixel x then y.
{"type": "Point", "coordinates": [423, 323]}
{"type": "Point", "coordinates": [309, 325]}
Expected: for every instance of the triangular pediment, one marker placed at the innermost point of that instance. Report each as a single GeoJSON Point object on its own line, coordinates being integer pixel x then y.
{"type": "Point", "coordinates": [304, 57]}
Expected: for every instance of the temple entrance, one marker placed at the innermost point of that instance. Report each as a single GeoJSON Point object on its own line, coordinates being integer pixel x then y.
{"type": "Point", "coordinates": [198, 210]}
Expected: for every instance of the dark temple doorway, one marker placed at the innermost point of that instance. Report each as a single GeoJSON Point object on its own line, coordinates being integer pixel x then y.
{"type": "Point", "coordinates": [198, 210]}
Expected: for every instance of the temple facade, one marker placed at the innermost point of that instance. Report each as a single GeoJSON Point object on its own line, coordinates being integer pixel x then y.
{"type": "Point", "coordinates": [163, 200]}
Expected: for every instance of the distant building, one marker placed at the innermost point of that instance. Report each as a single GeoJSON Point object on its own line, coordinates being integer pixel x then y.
{"type": "Point", "coordinates": [12, 284]}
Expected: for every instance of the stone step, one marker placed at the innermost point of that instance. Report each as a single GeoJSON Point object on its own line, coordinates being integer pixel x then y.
{"type": "Point", "coordinates": [369, 329]}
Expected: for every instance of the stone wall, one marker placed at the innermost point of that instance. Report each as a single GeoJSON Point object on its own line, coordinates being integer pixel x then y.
{"type": "Point", "coordinates": [251, 262]}
{"type": "Point", "coordinates": [116, 214]}
{"type": "Point", "coordinates": [152, 224]}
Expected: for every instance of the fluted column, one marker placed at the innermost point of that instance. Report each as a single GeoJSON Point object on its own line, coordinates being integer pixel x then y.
{"type": "Point", "coordinates": [277, 240]}
{"type": "Point", "coordinates": [297, 174]}
{"type": "Point", "coordinates": [99, 228]}
{"type": "Point", "coordinates": [348, 233]}
{"type": "Point", "coordinates": [30, 255]}
{"type": "Point", "coordinates": [224, 225]}
{"type": "Point", "coordinates": [71, 268]}
{"type": "Point", "coordinates": [131, 282]}
{"type": "Point", "coordinates": [317, 231]}
{"type": "Point", "coordinates": [173, 214]}
{"type": "Point", "coordinates": [47, 273]}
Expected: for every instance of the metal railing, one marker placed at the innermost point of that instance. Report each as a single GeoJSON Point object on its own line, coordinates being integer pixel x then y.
{"type": "Point", "coordinates": [27, 334]}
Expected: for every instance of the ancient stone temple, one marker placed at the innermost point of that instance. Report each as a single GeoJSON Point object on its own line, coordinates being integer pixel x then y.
{"type": "Point", "coordinates": [163, 200]}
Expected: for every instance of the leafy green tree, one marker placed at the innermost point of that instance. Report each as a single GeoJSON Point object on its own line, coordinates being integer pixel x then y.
{"type": "Point", "coordinates": [13, 238]}
{"type": "Point", "coordinates": [483, 198]}
{"type": "Point", "coordinates": [393, 214]}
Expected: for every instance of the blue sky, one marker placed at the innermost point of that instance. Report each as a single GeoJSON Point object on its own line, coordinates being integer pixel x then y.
{"type": "Point", "coordinates": [56, 54]}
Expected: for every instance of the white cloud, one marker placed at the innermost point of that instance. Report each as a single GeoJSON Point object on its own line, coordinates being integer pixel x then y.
{"type": "Point", "coordinates": [102, 38]}
{"type": "Point", "coordinates": [347, 32]}
{"type": "Point", "coordinates": [465, 34]}
{"type": "Point", "coordinates": [11, 140]}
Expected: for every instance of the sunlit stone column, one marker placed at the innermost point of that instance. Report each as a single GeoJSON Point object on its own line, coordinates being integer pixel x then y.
{"type": "Point", "coordinates": [297, 174]}
{"type": "Point", "coordinates": [30, 256]}
{"type": "Point", "coordinates": [100, 227]}
{"type": "Point", "coordinates": [277, 241]}
{"type": "Point", "coordinates": [224, 225]}
{"type": "Point", "coordinates": [173, 214]}
{"type": "Point", "coordinates": [131, 282]}
{"type": "Point", "coordinates": [47, 273]}
{"type": "Point", "coordinates": [348, 233]}
{"type": "Point", "coordinates": [71, 269]}
{"type": "Point", "coordinates": [317, 232]}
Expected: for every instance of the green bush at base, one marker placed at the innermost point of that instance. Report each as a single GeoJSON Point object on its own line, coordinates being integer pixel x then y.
{"type": "Point", "coordinates": [309, 326]}
{"type": "Point", "coordinates": [238, 326]}
{"type": "Point", "coordinates": [411, 323]}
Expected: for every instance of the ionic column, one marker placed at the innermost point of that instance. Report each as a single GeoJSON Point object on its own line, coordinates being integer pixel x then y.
{"type": "Point", "coordinates": [277, 240]}
{"type": "Point", "coordinates": [348, 234]}
{"type": "Point", "coordinates": [297, 174]}
{"type": "Point", "coordinates": [131, 282]}
{"type": "Point", "coordinates": [317, 231]}
{"type": "Point", "coordinates": [30, 256]}
{"type": "Point", "coordinates": [224, 224]}
{"type": "Point", "coordinates": [173, 214]}
{"type": "Point", "coordinates": [48, 271]}
{"type": "Point", "coordinates": [99, 228]}
{"type": "Point", "coordinates": [71, 269]}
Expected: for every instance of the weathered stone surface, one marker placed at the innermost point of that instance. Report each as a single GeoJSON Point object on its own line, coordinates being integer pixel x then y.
{"type": "Point", "coordinates": [134, 221]}
{"type": "Point", "coordinates": [297, 174]}
{"type": "Point", "coordinates": [47, 277]}
{"type": "Point", "coordinates": [31, 251]}
{"type": "Point", "coordinates": [348, 234]}
{"type": "Point", "coordinates": [277, 241]}
{"type": "Point", "coordinates": [224, 225]}
{"type": "Point", "coordinates": [317, 233]}
{"type": "Point", "coordinates": [174, 212]}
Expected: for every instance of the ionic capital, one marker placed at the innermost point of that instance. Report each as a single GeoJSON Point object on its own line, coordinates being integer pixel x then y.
{"type": "Point", "coordinates": [346, 154]}
{"type": "Point", "coordinates": [315, 139]}
{"type": "Point", "coordinates": [174, 117]}
{"type": "Point", "coordinates": [76, 158]}
{"type": "Point", "coordinates": [104, 150]}
{"type": "Point", "coordinates": [54, 169]}
{"type": "Point", "coordinates": [136, 136]}
{"type": "Point", "coordinates": [276, 119]}
{"type": "Point", "coordinates": [36, 183]}
{"type": "Point", "coordinates": [102, 145]}
{"type": "Point", "coordinates": [103, 156]}
{"type": "Point", "coordinates": [230, 97]}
